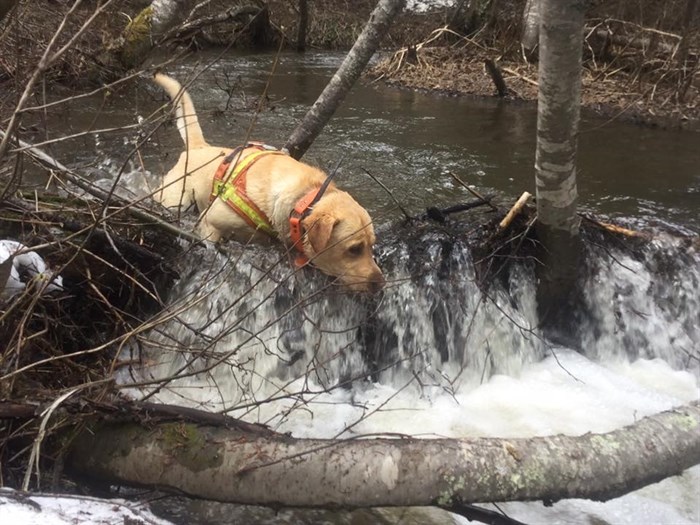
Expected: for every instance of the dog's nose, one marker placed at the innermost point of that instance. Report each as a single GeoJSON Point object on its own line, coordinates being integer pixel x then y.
{"type": "Point", "coordinates": [376, 282]}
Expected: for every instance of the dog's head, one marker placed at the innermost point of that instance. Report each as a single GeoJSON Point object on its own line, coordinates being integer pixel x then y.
{"type": "Point", "coordinates": [339, 242]}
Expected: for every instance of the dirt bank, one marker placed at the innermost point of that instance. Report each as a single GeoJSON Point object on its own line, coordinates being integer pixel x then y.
{"type": "Point", "coordinates": [620, 80]}
{"type": "Point", "coordinates": [611, 94]}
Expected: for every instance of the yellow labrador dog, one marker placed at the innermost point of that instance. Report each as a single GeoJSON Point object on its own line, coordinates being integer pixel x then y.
{"type": "Point", "coordinates": [251, 191]}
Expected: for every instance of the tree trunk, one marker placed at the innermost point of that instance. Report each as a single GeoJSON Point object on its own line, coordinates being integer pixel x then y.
{"type": "Point", "coordinates": [303, 25]}
{"type": "Point", "coordinates": [688, 71]}
{"type": "Point", "coordinates": [148, 27]}
{"type": "Point", "coordinates": [561, 41]}
{"type": "Point", "coordinates": [465, 17]}
{"type": "Point", "coordinates": [6, 6]}
{"type": "Point", "coordinates": [350, 70]}
{"type": "Point", "coordinates": [240, 464]}
{"type": "Point", "coordinates": [531, 30]}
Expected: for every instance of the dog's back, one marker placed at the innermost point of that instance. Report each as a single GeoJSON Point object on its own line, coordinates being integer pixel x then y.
{"type": "Point", "coordinates": [339, 234]}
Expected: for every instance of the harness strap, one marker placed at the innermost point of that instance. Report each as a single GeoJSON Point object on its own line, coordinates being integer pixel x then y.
{"type": "Point", "coordinates": [230, 183]}
{"type": "Point", "coordinates": [230, 186]}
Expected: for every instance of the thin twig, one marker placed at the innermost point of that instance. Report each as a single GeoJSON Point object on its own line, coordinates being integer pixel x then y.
{"type": "Point", "coordinates": [396, 201]}
{"type": "Point", "coordinates": [474, 192]}
{"type": "Point", "coordinates": [99, 193]}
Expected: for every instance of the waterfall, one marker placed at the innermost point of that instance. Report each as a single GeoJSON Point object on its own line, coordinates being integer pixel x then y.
{"type": "Point", "coordinates": [442, 351]}
{"type": "Point", "coordinates": [645, 304]}
{"type": "Point", "coordinates": [244, 326]}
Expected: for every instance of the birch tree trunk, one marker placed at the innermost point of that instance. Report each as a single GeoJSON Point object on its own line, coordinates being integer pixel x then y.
{"type": "Point", "coordinates": [531, 30]}
{"type": "Point", "coordinates": [242, 463]}
{"type": "Point", "coordinates": [561, 41]}
{"type": "Point", "coordinates": [348, 73]}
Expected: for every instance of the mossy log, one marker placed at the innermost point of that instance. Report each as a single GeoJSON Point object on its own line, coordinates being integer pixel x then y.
{"type": "Point", "coordinates": [137, 39]}
{"type": "Point", "coordinates": [166, 20]}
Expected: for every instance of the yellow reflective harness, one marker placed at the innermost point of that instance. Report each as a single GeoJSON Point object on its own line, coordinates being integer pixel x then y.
{"type": "Point", "coordinates": [230, 183]}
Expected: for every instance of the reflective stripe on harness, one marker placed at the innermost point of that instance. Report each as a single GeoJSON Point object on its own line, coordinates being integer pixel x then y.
{"type": "Point", "coordinates": [230, 185]}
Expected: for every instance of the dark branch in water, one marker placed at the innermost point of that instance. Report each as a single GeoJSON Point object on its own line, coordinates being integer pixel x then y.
{"type": "Point", "coordinates": [497, 77]}
{"type": "Point", "coordinates": [474, 513]}
{"type": "Point", "coordinates": [473, 191]}
{"type": "Point", "coordinates": [440, 214]}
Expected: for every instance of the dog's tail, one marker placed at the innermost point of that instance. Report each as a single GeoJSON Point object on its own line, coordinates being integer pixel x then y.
{"type": "Point", "coordinates": [187, 122]}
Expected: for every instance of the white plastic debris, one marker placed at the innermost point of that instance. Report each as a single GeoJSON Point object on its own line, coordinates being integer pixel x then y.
{"type": "Point", "coordinates": [17, 262]}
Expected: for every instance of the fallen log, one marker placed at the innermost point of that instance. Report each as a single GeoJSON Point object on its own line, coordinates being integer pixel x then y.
{"type": "Point", "coordinates": [265, 468]}
{"type": "Point", "coordinates": [602, 35]}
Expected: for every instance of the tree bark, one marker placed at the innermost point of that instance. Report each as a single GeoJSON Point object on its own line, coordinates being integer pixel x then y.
{"type": "Point", "coordinates": [687, 70]}
{"type": "Point", "coordinates": [303, 25]}
{"type": "Point", "coordinates": [6, 6]}
{"type": "Point", "coordinates": [561, 41]}
{"type": "Point", "coordinates": [339, 86]}
{"type": "Point", "coordinates": [531, 30]}
{"type": "Point", "coordinates": [264, 468]}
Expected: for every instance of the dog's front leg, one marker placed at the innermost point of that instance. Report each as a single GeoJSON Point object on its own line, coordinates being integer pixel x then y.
{"type": "Point", "coordinates": [206, 231]}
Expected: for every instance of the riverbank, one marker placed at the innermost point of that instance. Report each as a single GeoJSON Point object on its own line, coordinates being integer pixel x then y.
{"type": "Point", "coordinates": [642, 85]}
{"type": "Point", "coordinates": [612, 95]}
{"type": "Point", "coordinates": [631, 73]}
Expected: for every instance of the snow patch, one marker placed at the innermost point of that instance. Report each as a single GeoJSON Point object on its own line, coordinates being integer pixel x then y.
{"type": "Point", "coordinates": [422, 6]}
{"type": "Point", "coordinates": [19, 508]}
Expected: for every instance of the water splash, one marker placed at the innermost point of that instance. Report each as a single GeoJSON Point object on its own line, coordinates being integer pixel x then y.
{"type": "Point", "coordinates": [645, 305]}
{"type": "Point", "coordinates": [437, 355]}
{"type": "Point", "coordinates": [256, 329]}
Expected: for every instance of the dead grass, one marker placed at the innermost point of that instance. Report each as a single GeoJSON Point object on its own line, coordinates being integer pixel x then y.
{"type": "Point", "coordinates": [615, 93]}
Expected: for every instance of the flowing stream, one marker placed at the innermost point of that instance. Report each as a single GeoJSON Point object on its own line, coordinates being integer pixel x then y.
{"type": "Point", "coordinates": [436, 355]}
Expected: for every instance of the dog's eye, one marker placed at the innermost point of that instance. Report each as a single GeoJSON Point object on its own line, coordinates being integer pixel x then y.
{"type": "Point", "coordinates": [356, 249]}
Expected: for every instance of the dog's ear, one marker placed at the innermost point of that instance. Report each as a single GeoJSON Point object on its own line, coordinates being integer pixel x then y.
{"type": "Point", "coordinates": [319, 231]}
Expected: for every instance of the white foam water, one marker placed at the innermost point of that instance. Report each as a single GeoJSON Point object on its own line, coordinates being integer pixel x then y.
{"type": "Point", "coordinates": [436, 356]}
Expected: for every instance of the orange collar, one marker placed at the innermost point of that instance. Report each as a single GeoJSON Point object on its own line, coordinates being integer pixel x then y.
{"type": "Point", "coordinates": [296, 230]}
